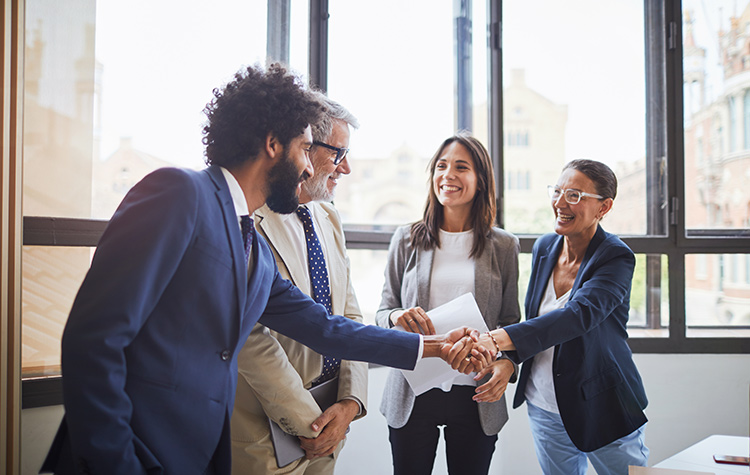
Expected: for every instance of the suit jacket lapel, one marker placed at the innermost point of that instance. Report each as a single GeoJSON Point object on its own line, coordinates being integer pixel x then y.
{"type": "Point", "coordinates": [482, 278]}
{"type": "Point", "coordinates": [231, 227]}
{"type": "Point", "coordinates": [590, 251]}
{"type": "Point", "coordinates": [547, 263]}
{"type": "Point", "coordinates": [273, 227]}
{"type": "Point", "coordinates": [424, 276]}
{"type": "Point", "coordinates": [336, 267]}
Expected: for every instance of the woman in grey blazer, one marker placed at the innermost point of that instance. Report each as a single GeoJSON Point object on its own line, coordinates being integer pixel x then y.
{"type": "Point", "coordinates": [454, 249]}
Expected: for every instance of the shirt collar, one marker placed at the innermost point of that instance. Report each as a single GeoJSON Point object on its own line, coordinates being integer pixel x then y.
{"type": "Point", "coordinates": [238, 197]}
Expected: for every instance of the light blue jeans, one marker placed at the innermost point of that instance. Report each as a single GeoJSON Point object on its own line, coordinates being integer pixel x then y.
{"type": "Point", "coordinates": [558, 456]}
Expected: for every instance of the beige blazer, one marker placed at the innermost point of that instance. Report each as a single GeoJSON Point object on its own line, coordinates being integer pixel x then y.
{"type": "Point", "coordinates": [275, 371]}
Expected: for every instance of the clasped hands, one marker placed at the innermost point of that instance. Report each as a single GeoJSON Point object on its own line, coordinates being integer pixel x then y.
{"type": "Point", "coordinates": [465, 350]}
{"type": "Point", "coordinates": [460, 348]}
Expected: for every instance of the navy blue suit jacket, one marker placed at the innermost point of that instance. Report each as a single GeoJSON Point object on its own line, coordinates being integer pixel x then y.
{"type": "Point", "coordinates": [149, 350]}
{"type": "Point", "coordinates": [599, 391]}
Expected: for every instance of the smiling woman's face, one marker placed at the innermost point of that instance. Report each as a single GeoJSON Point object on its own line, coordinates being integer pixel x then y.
{"type": "Point", "coordinates": [454, 178]}
{"type": "Point", "coordinates": [580, 219]}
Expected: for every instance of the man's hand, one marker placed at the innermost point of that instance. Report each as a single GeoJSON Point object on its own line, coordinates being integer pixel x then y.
{"type": "Point", "coordinates": [332, 424]}
{"type": "Point", "coordinates": [494, 388]}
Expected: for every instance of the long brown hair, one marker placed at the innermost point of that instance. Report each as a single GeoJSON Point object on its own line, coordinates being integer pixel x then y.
{"type": "Point", "coordinates": [426, 233]}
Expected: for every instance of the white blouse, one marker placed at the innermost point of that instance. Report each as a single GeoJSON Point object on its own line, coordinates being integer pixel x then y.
{"type": "Point", "coordinates": [540, 389]}
{"type": "Point", "coordinates": [452, 276]}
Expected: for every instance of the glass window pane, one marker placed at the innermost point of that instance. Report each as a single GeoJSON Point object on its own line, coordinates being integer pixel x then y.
{"type": "Point", "coordinates": [716, 89]}
{"type": "Point", "coordinates": [50, 280]}
{"type": "Point", "coordinates": [568, 94]}
{"type": "Point", "coordinates": [649, 297]}
{"type": "Point", "coordinates": [59, 91]}
{"type": "Point", "coordinates": [717, 295]}
{"type": "Point", "coordinates": [406, 105]}
{"type": "Point", "coordinates": [114, 90]}
{"type": "Point", "coordinates": [368, 276]}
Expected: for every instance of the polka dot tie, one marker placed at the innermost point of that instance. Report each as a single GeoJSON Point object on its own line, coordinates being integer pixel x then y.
{"type": "Point", "coordinates": [247, 226]}
{"type": "Point", "coordinates": [316, 263]}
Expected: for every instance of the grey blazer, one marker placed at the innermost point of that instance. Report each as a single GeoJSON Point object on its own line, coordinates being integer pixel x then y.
{"type": "Point", "coordinates": [407, 284]}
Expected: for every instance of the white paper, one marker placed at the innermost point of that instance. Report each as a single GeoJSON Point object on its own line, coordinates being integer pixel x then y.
{"type": "Point", "coordinates": [432, 372]}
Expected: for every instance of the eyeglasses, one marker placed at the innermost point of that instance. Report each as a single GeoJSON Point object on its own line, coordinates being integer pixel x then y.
{"type": "Point", "coordinates": [571, 196]}
{"type": "Point", "coordinates": [340, 152]}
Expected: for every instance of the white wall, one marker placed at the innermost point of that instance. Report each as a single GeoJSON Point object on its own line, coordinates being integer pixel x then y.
{"type": "Point", "coordinates": [691, 397]}
{"type": "Point", "coordinates": [38, 429]}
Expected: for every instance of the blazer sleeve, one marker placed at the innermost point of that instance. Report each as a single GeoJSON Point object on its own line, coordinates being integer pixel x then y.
{"type": "Point", "coordinates": [294, 314]}
{"type": "Point", "coordinates": [605, 285]}
{"type": "Point", "coordinates": [144, 241]}
{"type": "Point", "coordinates": [264, 366]}
{"type": "Point", "coordinates": [390, 299]}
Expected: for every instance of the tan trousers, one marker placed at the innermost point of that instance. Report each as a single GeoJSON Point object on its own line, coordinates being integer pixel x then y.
{"type": "Point", "coordinates": [258, 458]}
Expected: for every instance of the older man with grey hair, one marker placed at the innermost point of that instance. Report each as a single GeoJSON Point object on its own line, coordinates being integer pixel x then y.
{"type": "Point", "coordinates": [276, 372]}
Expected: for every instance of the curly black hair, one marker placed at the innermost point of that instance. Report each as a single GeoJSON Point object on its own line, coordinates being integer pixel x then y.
{"type": "Point", "coordinates": [257, 102]}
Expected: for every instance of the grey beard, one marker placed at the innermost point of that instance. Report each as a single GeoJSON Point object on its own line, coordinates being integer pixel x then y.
{"type": "Point", "coordinates": [317, 190]}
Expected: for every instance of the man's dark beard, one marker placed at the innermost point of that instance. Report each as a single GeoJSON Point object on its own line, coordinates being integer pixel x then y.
{"type": "Point", "coordinates": [282, 185]}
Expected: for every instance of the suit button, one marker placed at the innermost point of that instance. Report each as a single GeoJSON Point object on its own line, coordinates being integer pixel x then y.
{"type": "Point", "coordinates": [225, 355]}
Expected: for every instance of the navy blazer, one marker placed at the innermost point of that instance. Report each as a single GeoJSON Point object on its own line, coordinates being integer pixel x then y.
{"type": "Point", "coordinates": [149, 350]}
{"type": "Point", "coordinates": [598, 388]}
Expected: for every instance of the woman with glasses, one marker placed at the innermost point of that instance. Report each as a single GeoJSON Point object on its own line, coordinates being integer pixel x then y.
{"type": "Point", "coordinates": [584, 395]}
{"type": "Point", "coordinates": [453, 250]}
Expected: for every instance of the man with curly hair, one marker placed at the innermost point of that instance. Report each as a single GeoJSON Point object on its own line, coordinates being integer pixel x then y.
{"type": "Point", "coordinates": [178, 280]}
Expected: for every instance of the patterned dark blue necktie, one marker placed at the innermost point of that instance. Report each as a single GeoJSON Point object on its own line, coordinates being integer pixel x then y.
{"type": "Point", "coordinates": [246, 223]}
{"type": "Point", "coordinates": [316, 263]}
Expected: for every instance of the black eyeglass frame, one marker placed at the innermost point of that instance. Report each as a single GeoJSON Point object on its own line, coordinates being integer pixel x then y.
{"type": "Point", "coordinates": [340, 152]}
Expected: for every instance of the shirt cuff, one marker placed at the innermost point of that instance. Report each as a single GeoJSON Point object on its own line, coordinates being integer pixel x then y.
{"type": "Point", "coordinates": [359, 403]}
{"type": "Point", "coordinates": [421, 349]}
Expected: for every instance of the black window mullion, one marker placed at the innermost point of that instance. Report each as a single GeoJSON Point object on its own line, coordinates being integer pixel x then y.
{"type": "Point", "coordinates": [318, 60]}
{"type": "Point", "coordinates": [495, 52]}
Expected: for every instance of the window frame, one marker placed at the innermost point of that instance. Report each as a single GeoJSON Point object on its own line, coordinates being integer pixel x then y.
{"type": "Point", "coordinates": [665, 142]}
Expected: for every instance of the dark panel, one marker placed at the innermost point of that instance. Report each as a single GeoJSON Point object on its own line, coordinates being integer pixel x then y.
{"type": "Point", "coordinates": [41, 392]}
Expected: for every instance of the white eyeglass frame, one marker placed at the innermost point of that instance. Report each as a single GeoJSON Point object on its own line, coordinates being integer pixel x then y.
{"type": "Point", "coordinates": [555, 192]}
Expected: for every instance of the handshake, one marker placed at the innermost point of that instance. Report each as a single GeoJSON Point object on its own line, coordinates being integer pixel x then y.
{"type": "Point", "coordinates": [464, 348]}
